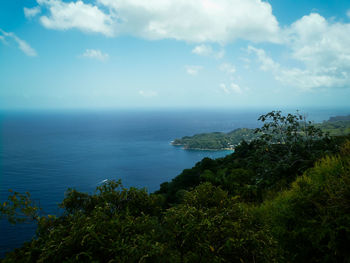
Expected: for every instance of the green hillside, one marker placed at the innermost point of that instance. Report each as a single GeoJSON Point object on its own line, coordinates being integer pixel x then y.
{"type": "Point", "coordinates": [266, 202]}
{"type": "Point", "coordinates": [216, 140]}
{"type": "Point", "coordinates": [339, 125]}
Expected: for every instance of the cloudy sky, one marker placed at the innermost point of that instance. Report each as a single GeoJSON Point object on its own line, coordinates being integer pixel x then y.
{"type": "Point", "coordinates": [174, 53]}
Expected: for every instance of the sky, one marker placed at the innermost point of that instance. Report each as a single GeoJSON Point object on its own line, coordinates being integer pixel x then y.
{"type": "Point", "coordinates": [87, 54]}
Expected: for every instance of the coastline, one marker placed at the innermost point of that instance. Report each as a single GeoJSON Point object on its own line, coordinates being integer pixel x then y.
{"type": "Point", "coordinates": [245, 134]}
{"type": "Point", "coordinates": [202, 149]}
{"type": "Point", "coordinates": [214, 150]}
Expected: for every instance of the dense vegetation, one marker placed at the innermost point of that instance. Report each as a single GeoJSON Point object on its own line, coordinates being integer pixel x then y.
{"type": "Point", "coordinates": [335, 126]}
{"type": "Point", "coordinates": [216, 140]}
{"type": "Point", "coordinates": [283, 197]}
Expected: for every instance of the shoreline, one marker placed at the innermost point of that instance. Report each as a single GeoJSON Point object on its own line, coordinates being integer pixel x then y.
{"type": "Point", "coordinates": [214, 150]}
{"type": "Point", "coordinates": [202, 149]}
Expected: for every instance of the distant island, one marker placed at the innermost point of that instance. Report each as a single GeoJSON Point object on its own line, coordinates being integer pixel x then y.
{"type": "Point", "coordinates": [335, 126]}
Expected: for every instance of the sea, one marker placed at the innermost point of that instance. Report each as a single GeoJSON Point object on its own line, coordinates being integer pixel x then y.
{"type": "Point", "coordinates": [47, 152]}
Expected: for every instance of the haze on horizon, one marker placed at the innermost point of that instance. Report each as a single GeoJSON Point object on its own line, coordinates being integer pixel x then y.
{"type": "Point", "coordinates": [63, 54]}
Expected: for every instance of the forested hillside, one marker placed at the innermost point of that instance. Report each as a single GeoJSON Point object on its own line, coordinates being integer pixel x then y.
{"type": "Point", "coordinates": [283, 197]}
{"type": "Point", "coordinates": [339, 125]}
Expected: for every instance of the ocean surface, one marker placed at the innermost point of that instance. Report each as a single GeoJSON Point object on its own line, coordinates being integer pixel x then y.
{"type": "Point", "coordinates": [47, 152]}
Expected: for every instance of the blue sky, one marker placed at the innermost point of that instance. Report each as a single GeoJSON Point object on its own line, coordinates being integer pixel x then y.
{"type": "Point", "coordinates": [64, 54]}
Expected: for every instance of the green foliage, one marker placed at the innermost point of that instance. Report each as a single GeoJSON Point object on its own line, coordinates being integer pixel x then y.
{"type": "Point", "coordinates": [311, 221]}
{"type": "Point", "coordinates": [126, 225]}
{"type": "Point", "coordinates": [288, 146]}
{"type": "Point", "coordinates": [336, 128]}
{"type": "Point", "coordinates": [114, 224]}
{"type": "Point", "coordinates": [19, 208]}
{"type": "Point", "coordinates": [290, 129]}
{"type": "Point", "coordinates": [267, 202]}
{"type": "Point", "coordinates": [276, 128]}
{"type": "Point", "coordinates": [210, 226]}
{"type": "Point", "coordinates": [216, 140]}
{"type": "Point", "coordinates": [238, 182]}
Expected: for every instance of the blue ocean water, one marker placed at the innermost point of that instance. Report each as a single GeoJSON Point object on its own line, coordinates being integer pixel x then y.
{"type": "Point", "coordinates": [47, 152]}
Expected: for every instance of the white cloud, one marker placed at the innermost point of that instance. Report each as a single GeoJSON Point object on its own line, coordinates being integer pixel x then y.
{"type": "Point", "coordinates": [193, 70]}
{"type": "Point", "coordinates": [224, 89]}
{"type": "Point", "coordinates": [199, 21]}
{"type": "Point", "coordinates": [148, 93]}
{"type": "Point", "coordinates": [348, 13]}
{"type": "Point", "coordinates": [95, 54]}
{"type": "Point", "coordinates": [235, 88]}
{"type": "Point", "coordinates": [31, 12]}
{"type": "Point", "coordinates": [25, 47]}
{"type": "Point", "coordinates": [207, 50]}
{"type": "Point", "coordinates": [322, 49]}
{"type": "Point", "coordinates": [228, 68]}
{"type": "Point", "coordinates": [232, 88]}
{"type": "Point", "coordinates": [196, 20]}
{"type": "Point", "coordinates": [22, 45]}
{"type": "Point", "coordinates": [317, 42]}
{"type": "Point", "coordinates": [266, 62]}
{"type": "Point", "coordinates": [76, 15]}
{"type": "Point", "coordinates": [203, 50]}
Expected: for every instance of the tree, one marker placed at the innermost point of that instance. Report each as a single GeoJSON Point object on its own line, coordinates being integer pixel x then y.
{"type": "Point", "coordinates": [288, 145]}
{"type": "Point", "coordinates": [289, 129]}
{"type": "Point", "coordinates": [211, 226]}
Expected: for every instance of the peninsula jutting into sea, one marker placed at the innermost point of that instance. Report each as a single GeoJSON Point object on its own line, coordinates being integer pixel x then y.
{"type": "Point", "coordinates": [338, 125]}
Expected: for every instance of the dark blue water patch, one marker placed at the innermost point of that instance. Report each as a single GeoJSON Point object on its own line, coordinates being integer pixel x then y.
{"type": "Point", "coordinates": [47, 152]}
